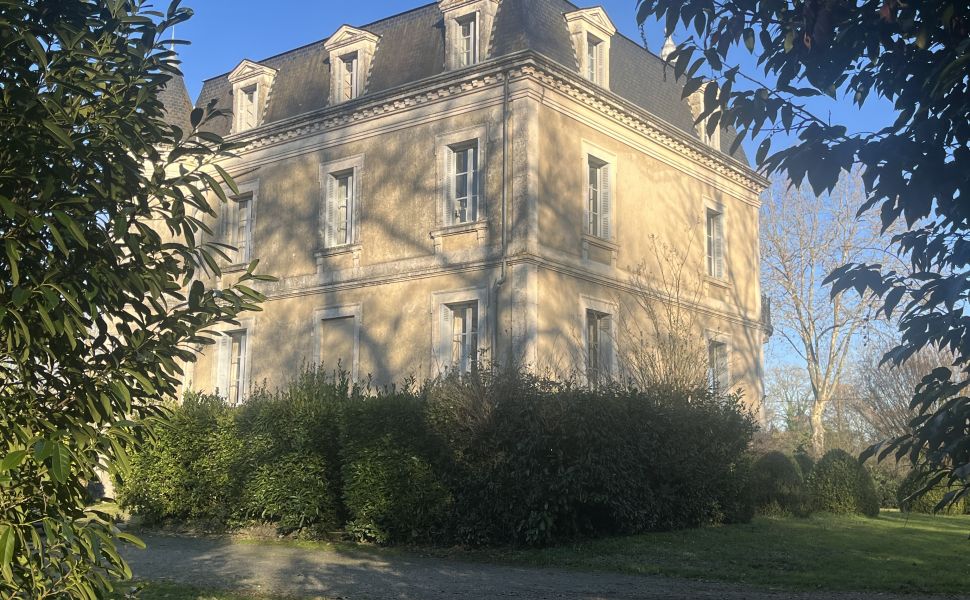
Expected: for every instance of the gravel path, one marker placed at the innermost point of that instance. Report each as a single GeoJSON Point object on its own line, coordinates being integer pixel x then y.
{"type": "Point", "coordinates": [281, 569]}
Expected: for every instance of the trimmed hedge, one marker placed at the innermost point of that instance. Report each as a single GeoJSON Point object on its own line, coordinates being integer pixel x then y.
{"type": "Point", "coordinates": [840, 484]}
{"type": "Point", "coordinates": [927, 502]}
{"type": "Point", "coordinates": [507, 459]}
{"type": "Point", "coordinates": [778, 485]}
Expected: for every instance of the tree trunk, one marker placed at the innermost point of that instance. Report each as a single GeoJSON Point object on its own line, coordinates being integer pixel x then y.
{"type": "Point", "coordinates": [818, 429]}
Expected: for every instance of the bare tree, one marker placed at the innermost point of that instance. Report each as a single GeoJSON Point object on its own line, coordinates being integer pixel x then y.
{"type": "Point", "coordinates": [661, 348]}
{"type": "Point", "coordinates": [804, 237]}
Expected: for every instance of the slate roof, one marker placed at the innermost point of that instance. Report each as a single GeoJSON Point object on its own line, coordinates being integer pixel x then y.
{"type": "Point", "coordinates": [176, 103]}
{"type": "Point", "coordinates": [411, 48]}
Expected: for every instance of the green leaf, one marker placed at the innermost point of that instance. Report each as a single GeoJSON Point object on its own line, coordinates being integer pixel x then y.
{"type": "Point", "coordinates": [13, 460]}
{"type": "Point", "coordinates": [13, 255]}
{"type": "Point", "coordinates": [7, 547]}
{"type": "Point", "coordinates": [59, 133]}
{"type": "Point", "coordinates": [131, 539]}
{"type": "Point", "coordinates": [749, 39]}
{"type": "Point", "coordinates": [60, 461]}
{"type": "Point", "coordinates": [227, 178]}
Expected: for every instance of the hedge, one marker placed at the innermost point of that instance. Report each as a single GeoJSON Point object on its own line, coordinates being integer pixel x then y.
{"type": "Point", "coordinates": [483, 459]}
{"type": "Point", "coordinates": [840, 484]}
{"type": "Point", "coordinates": [778, 485]}
{"type": "Point", "coordinates": [928, 501]}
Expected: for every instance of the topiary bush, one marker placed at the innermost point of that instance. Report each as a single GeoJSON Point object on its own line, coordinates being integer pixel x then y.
{"type": "Point", "coordinates": [777, 485]}
{"type": "Point", "coordinates": [805, 462]}
{"type": "Point", "coordinates": [927, 502]}
{"type": "Point", "coordinates": [840, 484]}
{"type": "Point", "coordinates": [293, 492]}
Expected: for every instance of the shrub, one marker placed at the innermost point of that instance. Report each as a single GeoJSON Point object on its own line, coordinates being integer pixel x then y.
{"type": "Point", "coordinates": [777, 485]}
{"type": "Point", "coordinates": [840, 484]}
{"type": "Point", "coordinates": [292, 491]}
{"type": "Point", "coordinates": [927, 502]}
{"type": "Point", "coordinates": [805, 462]}
{"type": "Point", "coordinates": [392, 489]}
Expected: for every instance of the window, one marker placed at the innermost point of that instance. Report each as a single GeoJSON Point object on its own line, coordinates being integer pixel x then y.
{"type": "Point", "coordinates": [341, 199]}
{"type": "Point", "coordinates": [595, 59]}
{"type": "Point", "coordinates": [715, 244]}
{"type": "Point", "coordinates": [464, 335]}
{"type": "Point", "coordinates": [463, 183]}
{"type": "Point", "coordinates": [599, 347]}
{"type": "Point", "coordinates": [348, 77]}
{"type": "Point", "coordinates": [717, 360]}
{"type": "Point", "coordinates": [238, 228]}
{"type": "Point", "coordinates": [598, 203]}
{"type": "Point", "coordinates": [232, 379]}
{"type": "Point", "coordinates": [249, 106]}
{"type": "Point", "coordinates": [468, 41]}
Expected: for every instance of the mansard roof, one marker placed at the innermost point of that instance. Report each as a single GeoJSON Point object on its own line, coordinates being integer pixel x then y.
{"type": "Point", "coordinates": [411, 47]}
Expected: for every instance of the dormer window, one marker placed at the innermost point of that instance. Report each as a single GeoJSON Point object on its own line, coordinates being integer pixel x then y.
{"type": "Point", "coordinates": [349, 76]}
{"type": "Point", "coordinates": [591, 31]}
{"type": "Point", "coordinates": [251, 83]}
{"type": "Point", "coordinates": [468, 24]}
{"type": "Point", "coordinates": [468, 41]}
{"type": "Point", "coordinates": [351, 52]}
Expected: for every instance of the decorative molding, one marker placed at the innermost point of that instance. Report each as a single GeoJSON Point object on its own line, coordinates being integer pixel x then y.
{"type": "Point", "coordinates": [595, 18]}
{"type": "Point", "coordinates": [346, 36]}
{"type": "Point", "coordinates": [248, 69]}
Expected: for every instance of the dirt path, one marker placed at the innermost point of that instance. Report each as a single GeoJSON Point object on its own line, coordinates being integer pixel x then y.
{"type": "Point", "coordinates": [275, 568]}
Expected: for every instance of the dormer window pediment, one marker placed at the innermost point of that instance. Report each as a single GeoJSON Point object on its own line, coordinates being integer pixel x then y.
{"type": "Point", "coordinates": [351, 52]}
{"type": "Point", "coordinates": [592, 31]}
{"type": "Point", "coordinates": [251, 85]}
{"type": "Point", "coordinates": [468, 31]}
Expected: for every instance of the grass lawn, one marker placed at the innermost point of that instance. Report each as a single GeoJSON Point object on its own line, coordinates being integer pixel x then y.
{"type": "Point", "coordinates": [154, 590]}
{"type": "Point", "coordinates": [894, 552]}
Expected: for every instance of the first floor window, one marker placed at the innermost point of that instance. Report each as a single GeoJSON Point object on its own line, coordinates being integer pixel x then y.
{"type": "Point", "coordinates": [599, 347]}
{"type": "Point", "coordinates": [598, 203]}
{"type": "Point", "coordinates": [717, 366]}
{"type": "Point", "coordinates": [238, 227]}
{"type": "Point", "coordinates": [341, 200]}
{"type": "Point", "coordinates": [232, 365]}
{"type": "Point", "coordinates": [715, 244]}
{"type": "Point", "coordinates": [463, 183]}
{"type": "Point", "coordinates": [458, 332]}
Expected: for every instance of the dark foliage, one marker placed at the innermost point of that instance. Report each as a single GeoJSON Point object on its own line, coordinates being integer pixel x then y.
{"type": "Point", "coordinates": [913, 496]}
{"type": "Point", "coordinates": [480, 460]}
{"type": "Point", "coordinates": [777, 485]}
{"type": "Point", "coordinates": [840, 484]}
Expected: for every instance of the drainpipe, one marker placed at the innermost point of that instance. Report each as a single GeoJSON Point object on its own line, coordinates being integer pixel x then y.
{"type": "Point", "coordinates": [505, 199]}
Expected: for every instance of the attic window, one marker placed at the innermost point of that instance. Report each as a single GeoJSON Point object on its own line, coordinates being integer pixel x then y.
{"type": "Point", "coordinates": [251, 84]}
{"type": "Point", "coordinates": [468, 26]}
{"type": "Point", "coordinates": [249, 108]}
{"type": "Point", "coordinates": [591, 31]}
{"type": "Point", "coordinates": [348, 76]}
{"type": "Point", "coordinates": [351, 52]}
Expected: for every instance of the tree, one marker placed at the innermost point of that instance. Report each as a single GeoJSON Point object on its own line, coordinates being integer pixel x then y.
{"type": "Point", "coordinates": [804, 237]}
{"type": "Point", "coordinates": [97, 197]}
{"type": "Point", "coordinates": [915, 55]}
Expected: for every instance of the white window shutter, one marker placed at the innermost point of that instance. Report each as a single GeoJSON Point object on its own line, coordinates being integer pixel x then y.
{"type": "Point", "coordinates": [606, 344]}
{"type": "Point", "coordinates": [352, 208]}
{"type": "Point", "coordinates": [476, 56]}
{"type": "Point", "coordinates": [476, 184]}
{"type": "Point", "coordinates": [606, 202]}
{"type": "Point", "coordinates": [444, 337]}
{"type": "Point", "coordinates": [600, 63]}
{"type": "Point", "coordinates": [719, 246]}
{"type": "Point", "coordinates": [588, 194]}
{"type": "Point", "coordinates": [330, 215]}
{"type": "Point", "coordinates": [449, 208]}
{"type": "Point", "coordinates": [224, 349]}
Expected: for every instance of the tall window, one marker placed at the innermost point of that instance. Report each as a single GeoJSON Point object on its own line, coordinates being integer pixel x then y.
{"type": "Point", "coordinates": [349, 76]}
{"type": "Point", "coordinates": [464, 336]}
{"type": "Point", "coordinates": [595, 59]}
{"type": "Point", "coordinates": [717, 360]}
{"type": "Point", "coordinates": [341, 200]}
{"type": "Point", "coordinates": [598, 199]}
{"type": "Point", "coordinates": [715, 244]}
{"type": "Point", "coordinates": [249, 107]}
{"type": "Point", "coordinates": [236, 376]}
{"type": "Point", "coordinates": [468, 41]}
{"type": "Point", "coordinates": [599, 348]}
{"type": "Point", "coordinates": [463, 183]}
{"type": "Point", "coordinates": [238, 224]}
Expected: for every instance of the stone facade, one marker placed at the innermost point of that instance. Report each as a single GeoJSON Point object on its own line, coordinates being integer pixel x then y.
{"type": "Point", "coordinates": [494, 209]}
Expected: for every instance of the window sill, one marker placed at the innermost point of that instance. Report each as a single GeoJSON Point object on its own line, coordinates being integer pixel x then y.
{"type": "Point", "coordinates": [337, 250]}
{"type": "Point", "coordinates": [479, 228]}
{"type": "Point", "coordinates": [718, 282]}
{"type": "Point", "coordinates": [599, 242]}
{"type": "Point", "coordinates": [234, 268]}
{"type": "Point", "coordinates": [599, 246]}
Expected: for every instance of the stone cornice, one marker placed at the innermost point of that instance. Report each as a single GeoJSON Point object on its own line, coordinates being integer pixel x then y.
{"type": "Point", "coordinates": [522, 65]}
{"type": "Point", "coordinates": [594, 17]}
{"type": "Point", "coordinates": [449, 5]}
{"type": "Point", "coordinates": [248, 69]}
